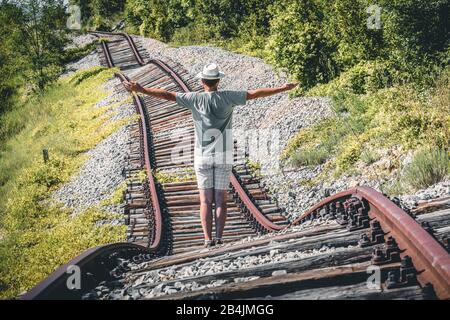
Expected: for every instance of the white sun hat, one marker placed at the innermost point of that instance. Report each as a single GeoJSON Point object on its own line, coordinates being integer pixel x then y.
{"type": "Point", "coordinates": [210, 72]}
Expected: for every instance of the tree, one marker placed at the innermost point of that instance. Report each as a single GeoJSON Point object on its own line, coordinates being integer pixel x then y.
{"type": "Point", "coordinates": [11, 64]}
{"type": "Point", "coordinates": [44, 36]}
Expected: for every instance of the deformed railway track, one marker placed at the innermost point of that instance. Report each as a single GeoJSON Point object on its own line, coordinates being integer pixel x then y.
{"type": "Point", "coordinates": [307, 258]}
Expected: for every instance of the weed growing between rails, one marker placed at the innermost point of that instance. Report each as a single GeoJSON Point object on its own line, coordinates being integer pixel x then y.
{"type": "Point", "coordinates": [39, 235]}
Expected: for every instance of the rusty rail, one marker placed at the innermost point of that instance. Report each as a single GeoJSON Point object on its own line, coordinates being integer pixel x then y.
{"type": "Point", "coordinates": [92, 263]}
{"type": "Point", "coordinates": [129, 40]}
{"type": "Point", "coordinates": [256, 213]}
{"type": "Point", "coordinates": [148, 168]}
{"type": "Point", "coordinates": [430, 259]}
{"type": "Point", "coordinates": [155, 245]}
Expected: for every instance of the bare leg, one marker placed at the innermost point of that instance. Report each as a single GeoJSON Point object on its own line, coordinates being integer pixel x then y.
{"type": "Point", "coordinates": [206, 198]}
{"type": "Point", "coordinates": [221, 211]}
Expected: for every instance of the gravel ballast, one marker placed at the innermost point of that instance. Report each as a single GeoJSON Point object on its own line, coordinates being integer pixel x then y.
{"type": "Point", "coordinates": [101, 174]}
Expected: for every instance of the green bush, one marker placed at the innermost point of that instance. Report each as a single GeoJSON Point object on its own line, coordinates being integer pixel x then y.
{"type": "Point", "coordinates": [429, 166]}
{"type": "Point", "coordinates": [386, 118]}
{"type": "Point", "coordinates": [298, 42]}
{"type": "Point", "coordinates": [316, 41]}
{"type": "Point", "coordinates": [369, 156]}
{"type": "Point", "coordinates": [310, 157]}
{"type": "Point", "coordinates": [364, 77]}
{"type": "Point", "coordinates": [100, 14]}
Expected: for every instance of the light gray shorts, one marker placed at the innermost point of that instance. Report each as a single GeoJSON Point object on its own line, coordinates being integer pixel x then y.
{"type": "Point", "coordinates": [213, 175]}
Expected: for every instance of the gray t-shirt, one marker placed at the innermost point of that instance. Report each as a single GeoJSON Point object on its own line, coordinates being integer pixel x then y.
{"type": "Point", "coordinates": [212, 113]}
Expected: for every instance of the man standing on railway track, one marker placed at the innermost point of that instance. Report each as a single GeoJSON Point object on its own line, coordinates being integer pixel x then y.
{"type": "Point", "coordinates": [213, 153]}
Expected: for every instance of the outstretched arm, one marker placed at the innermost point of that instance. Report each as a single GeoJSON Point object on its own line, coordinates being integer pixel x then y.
{"type": "Point", "coordinates": [157, 93]}
{"type": "Point", "coordinates": [261, 93]}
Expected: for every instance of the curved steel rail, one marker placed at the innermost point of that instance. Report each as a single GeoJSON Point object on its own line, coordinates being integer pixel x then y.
{"type": "Point", "coordinates": [130, 41]}
{"type": "Point", "coordinates": [148, 168]}
{"type": "Point", "coordinates": [156, 243]}
{"type": "Point", "coordinates": [256, 213]}
{"type": "Point", "coordinates": [93, 264]}
{"type": "Point", "coordinates": [430, 259]}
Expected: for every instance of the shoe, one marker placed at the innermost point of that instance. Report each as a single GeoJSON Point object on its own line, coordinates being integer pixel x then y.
{"type": "Point", "coordinates": [209, 243]}
{"type": "Point", "coordinates": [219, 241]}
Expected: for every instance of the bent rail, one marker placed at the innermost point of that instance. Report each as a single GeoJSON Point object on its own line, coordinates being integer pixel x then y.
{"type": "Point", "coordinates": [256, 213]}
{"type": "Point", "coordinates": [430, 259]}
{"type": "Point", "coordinates": [148, 168]}
{"type": "Point", "coordinates": [91, 265]}
{"type": "Point", "coordinates": [130, 41]}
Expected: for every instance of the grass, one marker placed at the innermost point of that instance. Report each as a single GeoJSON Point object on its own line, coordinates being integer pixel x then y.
{"type": "Point", "coordinates": [429, 166]}
{"type": "Point", "coordinates": [38, 234]}
{"type": "Point", "coordinates": [76, 53]}
{"type": "Point", "coordinates": [187, 174]}
{"type": "Point", "coordinates": [116, 197]}
{"type": "Point", "coordinates": [309, 157]}
{"type": "Point", "coordinates": [254, 167]}
{"type": "Point", "coordinates": [369, 156]}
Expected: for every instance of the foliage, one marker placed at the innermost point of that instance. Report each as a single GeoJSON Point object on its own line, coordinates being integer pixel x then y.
{"type": "Point", "coordinates": [100, 14]}
{"type": "Point", "coordinates": [298, 42]}
{"type": "Point", "coordinates": [317, 40]}
{"type": "Point", "coordinates": [314, 40]}
{"type": "Point", "coordinates": [429, 166]}
{"type": "Point", "coordinates": [369, 156]}
{"type": "Point", "coordinates": [116, 197]}
{"type": "Point", "coordinates": [164, 176]}
{"type": "Point", "coordinates": [43, 37]}
{"type": "Point", "coordinates": [11, 64]}
{"type": "Point", "coordinates": [38, 235]}
{"type": "Point", "coordinates": [399, 115]}
{"type": "Point", "coordinates": [254, 167]}
{"type": "Point", "coordinates": [309, 157]}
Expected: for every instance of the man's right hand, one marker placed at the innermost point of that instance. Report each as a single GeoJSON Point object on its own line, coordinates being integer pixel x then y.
{"type": "Point", "coordinates": [132, 86]}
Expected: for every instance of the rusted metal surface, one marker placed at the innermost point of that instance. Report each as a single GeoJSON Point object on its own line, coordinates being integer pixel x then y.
{"type": "Point", "coordinates": [430, 259]}
{"type": "Point", "coordinates": [92, 263]}
{"type": "Point", "coordinates": [153, 192]}
{"type": "Point", "coordinates": [254, 211]}
{"type": "Point", "coordinates": [338, 196]}
{"type": "Point", "coordinates": [148, 168]}
{"type": "Point", "coordinates": [266, 223]}
{"type": "Point", "coordinates": [107, 55]}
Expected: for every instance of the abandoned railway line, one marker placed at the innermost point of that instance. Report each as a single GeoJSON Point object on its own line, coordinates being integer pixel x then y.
{"type": "Point", "coordinates": [330, 251]}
